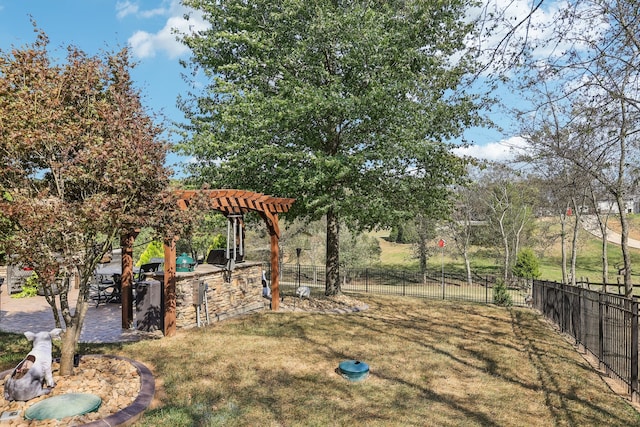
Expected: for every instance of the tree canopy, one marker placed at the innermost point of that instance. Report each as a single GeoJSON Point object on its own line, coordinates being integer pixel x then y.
{"type": "Point", "coordinates": [80, 162]}
{"type": "Point", "coordinates": [347, 106]}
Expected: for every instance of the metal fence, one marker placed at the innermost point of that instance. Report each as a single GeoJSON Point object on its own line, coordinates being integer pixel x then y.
{"type": "Point", "coordinates": [400, 282]}
{"type": "Point", "coordinates": [605, 324]}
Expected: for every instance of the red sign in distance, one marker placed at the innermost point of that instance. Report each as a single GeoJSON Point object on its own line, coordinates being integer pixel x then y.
{"type": "Point", "coordinates": [441, 243]}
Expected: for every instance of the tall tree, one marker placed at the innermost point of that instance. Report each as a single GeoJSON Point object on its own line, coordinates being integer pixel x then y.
{"type": "Point", "coordinates": [602, 220]}
{"type": "Point", "coordinates": [80, 162]}
{"type": "Point", "coordinates": [465, 217]}
{"type": "Point", "coordinates": [346, 106]}
{"type": "Point", "coordinates": [509, 212]}
{"type": "Point", "coordinates": [590, 84]}
{"type": "Point", "coordinates": [563, 186]}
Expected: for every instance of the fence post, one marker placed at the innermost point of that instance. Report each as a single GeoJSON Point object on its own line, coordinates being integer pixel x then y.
{"type": "Point", "coordinates": [366, 280]}
{"type": "Point", "coordinates": [581, 315]}
{"type": "Point", "coordinates": [634, 349]}
{"type": "Point", "coordinates": [403, 284]}
{"type": "Point", "coordinates": [444, 296]}
{"type": "Point", "coordinates": [600, 328]}
{"type": "Point", "coordinates": [486, 289]}
{"type": "Point", "coordinates": [562, 308]}
{"type": "Point", "coordinates": [315, 275]}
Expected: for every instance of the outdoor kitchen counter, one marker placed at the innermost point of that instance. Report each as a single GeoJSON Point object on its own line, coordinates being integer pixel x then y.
{"type": "Point", "coordinates": [226, 294]}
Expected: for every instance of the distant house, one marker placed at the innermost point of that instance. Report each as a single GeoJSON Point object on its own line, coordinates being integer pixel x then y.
{"type": "Point", "coordinates": [631, 206]}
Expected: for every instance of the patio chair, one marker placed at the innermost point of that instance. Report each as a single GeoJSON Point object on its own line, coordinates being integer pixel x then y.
{"type": "Point", "coordinates": [146, 268]}
{"type": "Point", "coordinates": [107, 290]}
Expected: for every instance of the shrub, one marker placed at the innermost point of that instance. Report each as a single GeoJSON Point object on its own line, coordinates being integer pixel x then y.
{"type": "Point", "coordinates": [218, 241]}
{"type": "Point", "coordinates": [29, 287]}
{"type": "Point", "coordinates": [154, 249]}
{"type": "Point", "coordinates": [527, 265]}
{"type": "Point", "coordinates": [501, 296]}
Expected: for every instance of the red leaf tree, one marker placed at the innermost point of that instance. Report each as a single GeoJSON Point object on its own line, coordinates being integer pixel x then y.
{"type": "Point", "coordinates": [81, 162]}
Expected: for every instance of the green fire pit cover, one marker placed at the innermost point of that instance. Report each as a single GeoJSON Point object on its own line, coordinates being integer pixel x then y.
{"type": "Point", "coordinates": [64, 405]}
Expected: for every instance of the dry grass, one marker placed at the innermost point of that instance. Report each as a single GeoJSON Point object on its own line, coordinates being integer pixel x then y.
{"type": "Point", "coordinates": [432, 363]}
{"type": "Point", "coordinates": [634, 225]}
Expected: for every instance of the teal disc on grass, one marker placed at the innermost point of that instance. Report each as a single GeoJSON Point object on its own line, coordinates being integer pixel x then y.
{"type": "Point", "coordinates": [62, 406]}
{"type": "Point", "coordinates": [354, 370]}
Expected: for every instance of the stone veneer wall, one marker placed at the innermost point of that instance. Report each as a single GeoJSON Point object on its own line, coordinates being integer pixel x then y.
{"type": "Point", "coordinates": [242, 294]}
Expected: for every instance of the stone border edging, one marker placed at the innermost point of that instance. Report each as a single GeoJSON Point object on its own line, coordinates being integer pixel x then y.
{"type": "Point", "coordinates": [131, 413]}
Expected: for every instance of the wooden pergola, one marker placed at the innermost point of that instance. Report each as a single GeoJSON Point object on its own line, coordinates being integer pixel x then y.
{"type": "Point", "coordinates": [229, 202]}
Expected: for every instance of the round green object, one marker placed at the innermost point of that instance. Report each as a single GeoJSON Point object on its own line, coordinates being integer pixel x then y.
{"type": "Point", "coordinates": [184, 263]}
{"type": "Point", "coordinates": [354, 370]}
{"type": "Point", "coordinates": [62, 406]}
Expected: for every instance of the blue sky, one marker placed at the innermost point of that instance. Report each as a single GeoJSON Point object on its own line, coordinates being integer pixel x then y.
{"type": "Point", "coordinates": [98, 25]}
{"type": "Point", "coordinates": [145, 26]}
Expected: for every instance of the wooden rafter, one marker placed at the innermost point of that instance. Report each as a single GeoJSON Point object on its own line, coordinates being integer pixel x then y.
{"type": "Point", "coordinates": [238, 201]}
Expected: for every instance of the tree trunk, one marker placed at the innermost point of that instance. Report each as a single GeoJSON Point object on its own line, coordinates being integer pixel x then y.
{"type": "Point", "coordinates": [602, 224]}
{"type": "Point", "coordinates": [68, 350]}
{"type": "Point", "coordinates": [505, 244]}
{"type": "Point", "coordinates": [422, 253]}
{"type": "Point", "coordinates": [467, 265]}
{"type": "Point", "coordinates": [624, 243]}
{"type": "Point", "coordinates": [71, 337]}
{"type": "Point", "coordinates": [619, 195]}
{"type": "Point", "coordinates": [574, 246]}
{"type": "Point", "coordinates": [605, 259]}
{"type": "Point", "coordinates": [563, 238]}
{"type": "Point", "coordinates": [518, 232]}
{"type": "Point", "coordinates": [127, 240]}
{"type": "Point", "coordinates": [333, 254]}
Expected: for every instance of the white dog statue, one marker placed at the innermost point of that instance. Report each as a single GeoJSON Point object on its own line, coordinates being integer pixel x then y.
{"type": "Point", "coordinates": [303, 292]}
{"type": "Point", "coordinates": [26, 380]}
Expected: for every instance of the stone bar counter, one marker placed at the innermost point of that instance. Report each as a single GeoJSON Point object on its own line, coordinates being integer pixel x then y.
{"type": "Point", "coordinates": [226, 294]}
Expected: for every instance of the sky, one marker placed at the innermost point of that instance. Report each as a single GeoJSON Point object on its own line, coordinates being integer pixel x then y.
{"type": "Point", "coordinates": [105, 25]}
{"type": "Point", "coordinates": [146, 26]}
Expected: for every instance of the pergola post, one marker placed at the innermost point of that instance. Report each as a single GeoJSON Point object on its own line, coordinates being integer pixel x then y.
{"type": "Point", "coordinates": [275, 272]}
{"type": "Point", "coordinates": [127, 239]}
{"type": "Point", "coordinates": [170, 301]}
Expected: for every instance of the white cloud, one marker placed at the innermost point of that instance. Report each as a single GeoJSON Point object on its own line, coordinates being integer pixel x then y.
{"type": "Point", "coordinates": [145, 44]}
{"type": "Point", "coordinates": [495, 151]}
{"type": "Point", "coordinates": [153, 12]}
{"type": "Point", "coordinates": [142, 44]}
{"type": "Point", "coordinates": [126, 8]}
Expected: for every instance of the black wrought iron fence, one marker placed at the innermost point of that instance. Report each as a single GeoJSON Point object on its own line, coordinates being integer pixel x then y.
{"type": "Point", "coordinates": [604, 324]}
{"type": "Point", "coordinates": [401, 282]}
